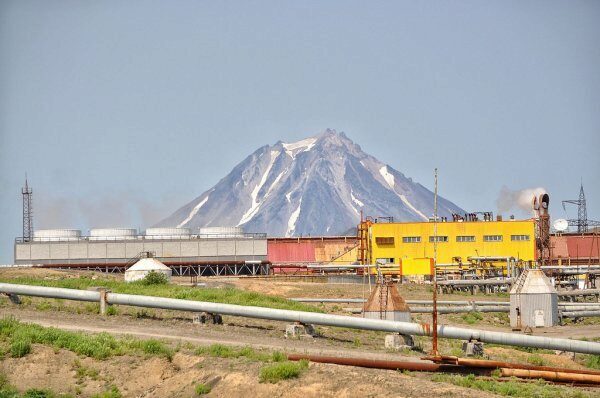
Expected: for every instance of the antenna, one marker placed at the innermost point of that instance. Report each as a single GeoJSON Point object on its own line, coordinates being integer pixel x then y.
{"type": "Point", "coordinates": [27, 193]}
{"type": "Point", "coordinates": [561, 225]}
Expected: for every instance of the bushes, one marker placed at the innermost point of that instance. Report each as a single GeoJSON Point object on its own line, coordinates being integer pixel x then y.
{"type": "Point", "coordinates": [202, 389]}
{"type": "Point", "coordinates": [282, 371]}
{"type": "Point", "coordinates": [155, 278]}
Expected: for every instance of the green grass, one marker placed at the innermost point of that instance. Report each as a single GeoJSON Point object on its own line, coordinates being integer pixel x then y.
{"type": "Point", "coordinates": [472, 317]}
{"type": "Point", "coordinates": [113, 392]}
{"type": "Point", "coordinates": [593, 361]}
{"type": "Point", "coordinates": [98, 346]}
{"type": "Point", "coordinates": [512, 388]}
{"type": "Point", "coordinates": [8, 391]}
{"type": "Point", "coordinates": [20, 347]}
{"type": "Point", "coordinates": [202, 389]}
{"type": "Point", "coordinates": [223, 351]}
{"type": "Point", "coordinates": [536, 360]}
{"type": "Point", "coordinates": [226, 295]}
{"type": "Point", "coordinates": [282, 371]}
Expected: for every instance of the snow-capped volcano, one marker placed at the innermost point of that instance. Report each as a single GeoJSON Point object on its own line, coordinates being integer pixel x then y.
{"type": "Point", "coordinates": [316, 186]}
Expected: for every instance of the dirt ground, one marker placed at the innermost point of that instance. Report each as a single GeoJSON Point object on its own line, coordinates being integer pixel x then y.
{"type": "Point", "coordinates": [156, 377]}
{"type": "Point", "coordinates": [235, 377]}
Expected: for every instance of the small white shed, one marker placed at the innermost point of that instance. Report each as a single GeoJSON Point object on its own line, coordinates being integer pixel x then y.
{"type": "Point", "coordinates": [140, 269]}
{"type": "Point", "coordinates": [533, 301]}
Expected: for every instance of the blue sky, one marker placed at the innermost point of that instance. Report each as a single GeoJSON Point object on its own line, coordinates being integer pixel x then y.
{"type": "Point", "coordinates": [121, 111]}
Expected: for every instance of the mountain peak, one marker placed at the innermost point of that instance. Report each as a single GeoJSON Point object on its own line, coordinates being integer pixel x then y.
{"type": "Point", "coordinates": [314, 186]}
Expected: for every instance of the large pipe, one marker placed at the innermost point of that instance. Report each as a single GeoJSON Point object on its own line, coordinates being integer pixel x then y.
{"type": "Point", "coordinates": [377, 363]}
{"type": "Point", "coordinates": [489, 364]}
{"type": "Point", "coordinates": [476, 282]}
{"type": "Point", "coordinates": [408, 328]}
{"type": "Point", "coordinates": [582, 292]}
{"type": "Point", "coordinates": [579, 314]}
{"type": "Point", "coordinates": [359, 300]}
{"type": "Point", "coordinates": [552, 376]}
{"type": "Point", "coordinates": [460, 309]}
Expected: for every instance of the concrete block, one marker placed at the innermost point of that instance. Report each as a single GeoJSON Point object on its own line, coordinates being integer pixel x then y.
{"type": "Point", "coordinates": [204, 318]}
{"type": "Point", "coordinates": [298, 330]}
{"type": "Point", "coordinates": [473, 348]}
{"type": "Point", "coordinates": [399, 342]}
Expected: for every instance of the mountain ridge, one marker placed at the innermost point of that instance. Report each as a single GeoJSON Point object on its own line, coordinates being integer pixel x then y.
{"type": "Point", "coordinates": [314, 186]}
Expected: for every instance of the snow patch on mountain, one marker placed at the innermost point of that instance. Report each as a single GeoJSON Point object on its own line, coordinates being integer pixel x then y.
{"type": "Point", "coordinates": [254, 194]}
{"type": "Point", "coordinates": [294, 148]}
{"type": "Point", "coordinates": [389, 178]}
{"type": "Point", "coordinates": [293, 220]}
{"type": "Point", "coordinates": [413, 208]}
{"type": "Point", "coordinates": [193, 212]}
{"type": "Point", "coordinates": [358, 202]}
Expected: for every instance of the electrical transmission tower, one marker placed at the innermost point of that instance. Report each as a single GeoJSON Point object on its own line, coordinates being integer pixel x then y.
{"type": "Point", "coordinates": [27, 212]}
{"type": "Point", "coordinates": [582, 223]}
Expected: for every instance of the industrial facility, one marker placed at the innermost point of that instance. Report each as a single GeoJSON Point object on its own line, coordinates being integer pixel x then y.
{"type": "Point", "coordinates": [215, 251]}
{"type": "Point", "coordinates": [467, 246]}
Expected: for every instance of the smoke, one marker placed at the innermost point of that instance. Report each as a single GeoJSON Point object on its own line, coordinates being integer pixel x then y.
{"type": "Point", "coordinates": [118, 209]}
{"type": "Point", "coordinates": [521, 200]}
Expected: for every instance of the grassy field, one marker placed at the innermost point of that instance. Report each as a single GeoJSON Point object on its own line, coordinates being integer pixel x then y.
{"type": "Point", "coordinates": [217, 295]}
{"type": "Point", "coordinates": [512, 388]}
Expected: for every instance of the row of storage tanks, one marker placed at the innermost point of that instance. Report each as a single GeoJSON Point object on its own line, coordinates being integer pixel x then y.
{"type": "Point", "coordinates": [48, 235]}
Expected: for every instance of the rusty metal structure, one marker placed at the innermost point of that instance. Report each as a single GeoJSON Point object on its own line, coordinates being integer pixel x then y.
{"type": "Point", "coordinates": [542, 232]}
{"type": "Point", "coordinates": [480, 367]}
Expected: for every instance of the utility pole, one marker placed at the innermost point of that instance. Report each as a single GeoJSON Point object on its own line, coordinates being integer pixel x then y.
{"type": "Point", "coordinates": [434, 342]}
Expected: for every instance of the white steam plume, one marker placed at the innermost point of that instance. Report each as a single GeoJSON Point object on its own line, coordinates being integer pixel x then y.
{"type": "Point", "coordinates": [510, 200]}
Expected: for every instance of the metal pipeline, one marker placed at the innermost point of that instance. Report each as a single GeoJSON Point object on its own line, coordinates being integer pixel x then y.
{"type": "Point", "coordinates": [489, 364]}
{"type": "Point", "coordinates": [460, 309]}
{"type": "Point", "coordinates": [464, 367]}
{"type": "Point", "coordinates": [579, 314]}
{"type": "Point", "coordinates": [552, 376]}
{"type": "Point", "coordinates": [377, 363]}
{"type": "Point", "coordinates": [408, 328]}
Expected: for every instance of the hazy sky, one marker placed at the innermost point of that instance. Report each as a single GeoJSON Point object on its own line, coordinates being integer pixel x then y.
{"type": "Point", "coordinates": [121, 111]}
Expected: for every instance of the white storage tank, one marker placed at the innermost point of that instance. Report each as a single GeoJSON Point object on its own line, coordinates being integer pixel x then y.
{"type": "Point", "coordinates": [533, 301]}
{"type": "Point", "coordinates": [168, 233]}
{"type": "Point", "coordinates": [143, 267]}
{"type": "Point", "coordinates": [112, 233]}
{"type": "Point", "coordinates": [220, 232]}
{"type": "Point", "coordinates": [49, 235]}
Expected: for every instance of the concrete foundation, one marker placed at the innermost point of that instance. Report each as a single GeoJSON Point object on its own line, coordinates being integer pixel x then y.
{"type": "Point", "coordinates": [399, 342]}
{"type": "Point", "coordinates": [299, 330]}
{"type": "Point", "coordinates": [204, 318]}
{"type": "Point", "coordinates": [473, 348]}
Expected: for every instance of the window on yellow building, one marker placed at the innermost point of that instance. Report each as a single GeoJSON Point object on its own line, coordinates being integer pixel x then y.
{"type": "Point", "coordinates": [385, 261]}
{"type": "Point", "coordinates": [438, 238]}
{"type": "Point", "coordinates": [411, 239]}
{"type": "Point", "coordinates": [492, 238]}
{"type": "Point", "coordinates": [519, 237]}
{"type": "Point", "coordinates": [380, 240]}
{"type": "Point", "coordinates": [465, 238]}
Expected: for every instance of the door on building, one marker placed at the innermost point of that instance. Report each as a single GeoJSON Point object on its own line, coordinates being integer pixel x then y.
{"type": "Point", "coordinates": [539, 318]}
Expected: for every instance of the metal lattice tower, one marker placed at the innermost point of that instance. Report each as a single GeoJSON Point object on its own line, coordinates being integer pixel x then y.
{"type": "Point", "coordinates": [582, 222]}
{"type": "Point", "coordinates": [27, 212]}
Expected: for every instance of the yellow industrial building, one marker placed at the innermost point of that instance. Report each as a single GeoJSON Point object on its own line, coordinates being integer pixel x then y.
{"type": "Point", "coordinates": [410, 245]}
